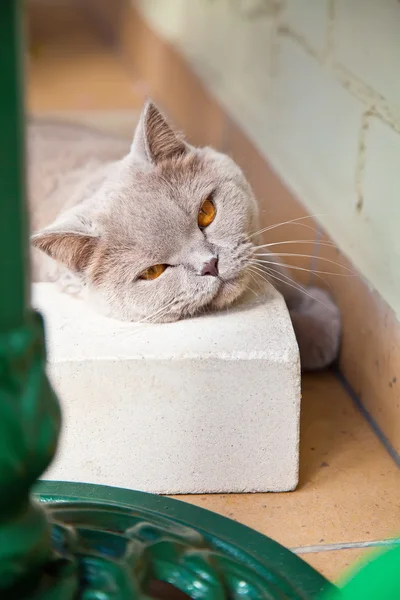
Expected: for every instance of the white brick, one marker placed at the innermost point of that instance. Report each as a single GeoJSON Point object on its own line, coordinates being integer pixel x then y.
{"type": "Point", "coordinates": [313, 132]}
{"type": "Point", "coordinates": [367, 42]}
{"type": "Point", "coordinates": [231, 53]}
{"type": "Point", "coordinates": [203, 405]}
{"type": "Point", "coordinates": [205, 41]}
{"type": "Point", "coordinates": [380, 239]}
{"type": "Point", "coordinates": [309, 18]}
{"type": "Point", "coordinates": [257, 59]}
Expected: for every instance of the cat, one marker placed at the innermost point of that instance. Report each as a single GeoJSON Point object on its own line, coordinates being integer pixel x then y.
{"type": "Point", "coordinates": [157, 231]}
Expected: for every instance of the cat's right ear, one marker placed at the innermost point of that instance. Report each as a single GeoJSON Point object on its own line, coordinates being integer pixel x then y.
{"type": "Point", "coordinates": [69, 241]}
{"type": "Point", "coordinates": [155, 140]}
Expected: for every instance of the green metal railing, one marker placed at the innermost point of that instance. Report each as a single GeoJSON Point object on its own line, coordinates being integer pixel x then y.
{"type": "Point", "coordinates": [93, 542]}
{"type": "Point", "coordinates": [29, 411]}
{"type": "Point", "coordinates": [13, 230]}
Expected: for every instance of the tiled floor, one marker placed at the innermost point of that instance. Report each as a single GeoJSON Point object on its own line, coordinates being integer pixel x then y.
{"type": "Point", "coordinates": [349, 493]}
{"type": "Point", "coordinates": [349, 486]}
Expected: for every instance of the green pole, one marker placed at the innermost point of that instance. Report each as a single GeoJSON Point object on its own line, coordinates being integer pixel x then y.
{"type": "Point", "coordinates": [12, 169]}
{"type": "Point", "coordinates": [29, 411]}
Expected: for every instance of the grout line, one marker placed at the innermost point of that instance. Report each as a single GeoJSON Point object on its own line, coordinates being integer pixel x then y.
{"type": "Point", "coordinates": [344, 546]}
{"type": "Point", "coordinates": [368, 417]}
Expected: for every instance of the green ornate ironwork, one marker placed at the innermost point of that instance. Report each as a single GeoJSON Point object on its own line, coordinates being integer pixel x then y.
{"type": "Point", "coordinates": [132, 540]}
{"type": "Point", "coordinates": [92, 542]}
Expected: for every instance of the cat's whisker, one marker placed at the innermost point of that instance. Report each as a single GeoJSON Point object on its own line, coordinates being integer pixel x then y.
{"type": "Point", "coordinates": [287, 279]}
{"type": "Point", "coordinates": [264, 268]}
{"type": "Point", "coordinates": [304, 225]}
{"type": "Point", "coordinates": [250, 289]}
{"type": "Point", "coordinates": [253, 278]}
{"type": "Point", "coordinates": [314, 271]}
{"type": "Point", "coordinates": [269, 272]}
{"type": "Point", "coordinates": [257, 269]}
{"type": "Point", "coordinates": [290, 282]}
{"type": "Point", "coordinates": [332, 262]}
{"type": "Point", "coordinates": [261, 274]}
{"type": "Point", "coordinates": [297, 220]}
{"type": "Point", "coordinates": [163, 310]}
{"type": "Point", "coordinates": [329, 244]}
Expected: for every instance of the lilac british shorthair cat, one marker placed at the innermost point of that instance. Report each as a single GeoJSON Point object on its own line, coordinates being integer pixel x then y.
{"type": "Point", "coordinates": [157, 232]}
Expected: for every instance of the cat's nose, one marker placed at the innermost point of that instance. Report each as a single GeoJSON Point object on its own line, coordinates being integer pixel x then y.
{"type": "Point", "coordinates": [210, 268]}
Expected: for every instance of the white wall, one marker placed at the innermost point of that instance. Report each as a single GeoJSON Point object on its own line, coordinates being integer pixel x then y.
{"type": "Point", "coordinates": [316, 85]}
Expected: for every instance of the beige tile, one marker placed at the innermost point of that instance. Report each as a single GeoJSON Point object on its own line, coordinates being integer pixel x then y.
{"type": "Point", "coordinates": [70, 68]}
{"type": "Point", "coordinates": [336, 564]}
{"type": "Point", "coordinates": [277, 205]}
{"type": "Point", "coordinates": [349, 486]}
{"type": "Point", "coordinates": [370, 354]}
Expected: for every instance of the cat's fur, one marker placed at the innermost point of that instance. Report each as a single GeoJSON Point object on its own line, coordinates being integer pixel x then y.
{"type": "Point", "coordinates": [104, 213]}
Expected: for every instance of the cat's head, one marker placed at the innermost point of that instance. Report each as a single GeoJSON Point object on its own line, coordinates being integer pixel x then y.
{"type": "Point", "coordinates": [166, 235]}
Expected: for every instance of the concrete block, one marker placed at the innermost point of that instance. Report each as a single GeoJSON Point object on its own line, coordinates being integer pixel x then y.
{"type": "Point", "coordinates": [210, 404]}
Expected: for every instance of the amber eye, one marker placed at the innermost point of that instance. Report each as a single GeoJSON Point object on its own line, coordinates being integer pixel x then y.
{"type": "Point", "coordinates": [153, 272]}
{"type": "Point", "coordinates": [206, 214]}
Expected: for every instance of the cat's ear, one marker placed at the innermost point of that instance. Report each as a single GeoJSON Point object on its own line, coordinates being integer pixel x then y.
{"type": "Point", "coordinates": [68, 243]}
{"type": "Point", "coordinates": [154, 139]}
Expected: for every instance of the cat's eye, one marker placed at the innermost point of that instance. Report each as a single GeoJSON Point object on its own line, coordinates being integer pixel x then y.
{"type": "Point", "coordinates": [153, 272]}
{"type": "Point", "coordinates": [206, 214]}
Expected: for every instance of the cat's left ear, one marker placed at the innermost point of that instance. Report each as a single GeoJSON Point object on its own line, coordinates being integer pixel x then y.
{"type": "Point", "coordinates": [155, 140]}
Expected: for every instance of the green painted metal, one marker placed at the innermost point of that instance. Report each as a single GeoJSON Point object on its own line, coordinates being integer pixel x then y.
{"type": "Point", "coordinates": [12, 172]}
{"type": "Point", "coordinates": [203, 554]}
{"type": "Point", "coordinates": [29, 412]}
{"type": "Point", "coordinates": [377, 577]}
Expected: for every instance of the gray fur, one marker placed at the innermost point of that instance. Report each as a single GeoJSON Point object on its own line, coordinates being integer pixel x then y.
{"type": "Point", "coordinates": [103, 220]}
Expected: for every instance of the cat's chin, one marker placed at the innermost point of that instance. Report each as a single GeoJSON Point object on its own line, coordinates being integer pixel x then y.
{"type": "Point", "coordinates": [229, 292]}
{"type": "Point", "coordinates": [222, 296]}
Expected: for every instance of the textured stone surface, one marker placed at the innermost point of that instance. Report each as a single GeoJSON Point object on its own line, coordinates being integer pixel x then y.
{"type": "Point", "coordinates": [210, 404]}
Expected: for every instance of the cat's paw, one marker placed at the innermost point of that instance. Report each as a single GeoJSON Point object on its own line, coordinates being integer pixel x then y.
{"type": "Point", "coordinates": [317, 325]}
{"type": "Point", "coordinates": [70, 284]}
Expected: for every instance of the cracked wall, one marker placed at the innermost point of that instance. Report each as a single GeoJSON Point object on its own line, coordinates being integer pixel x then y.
{"type": "Point", "coordinates": [316, 85]}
